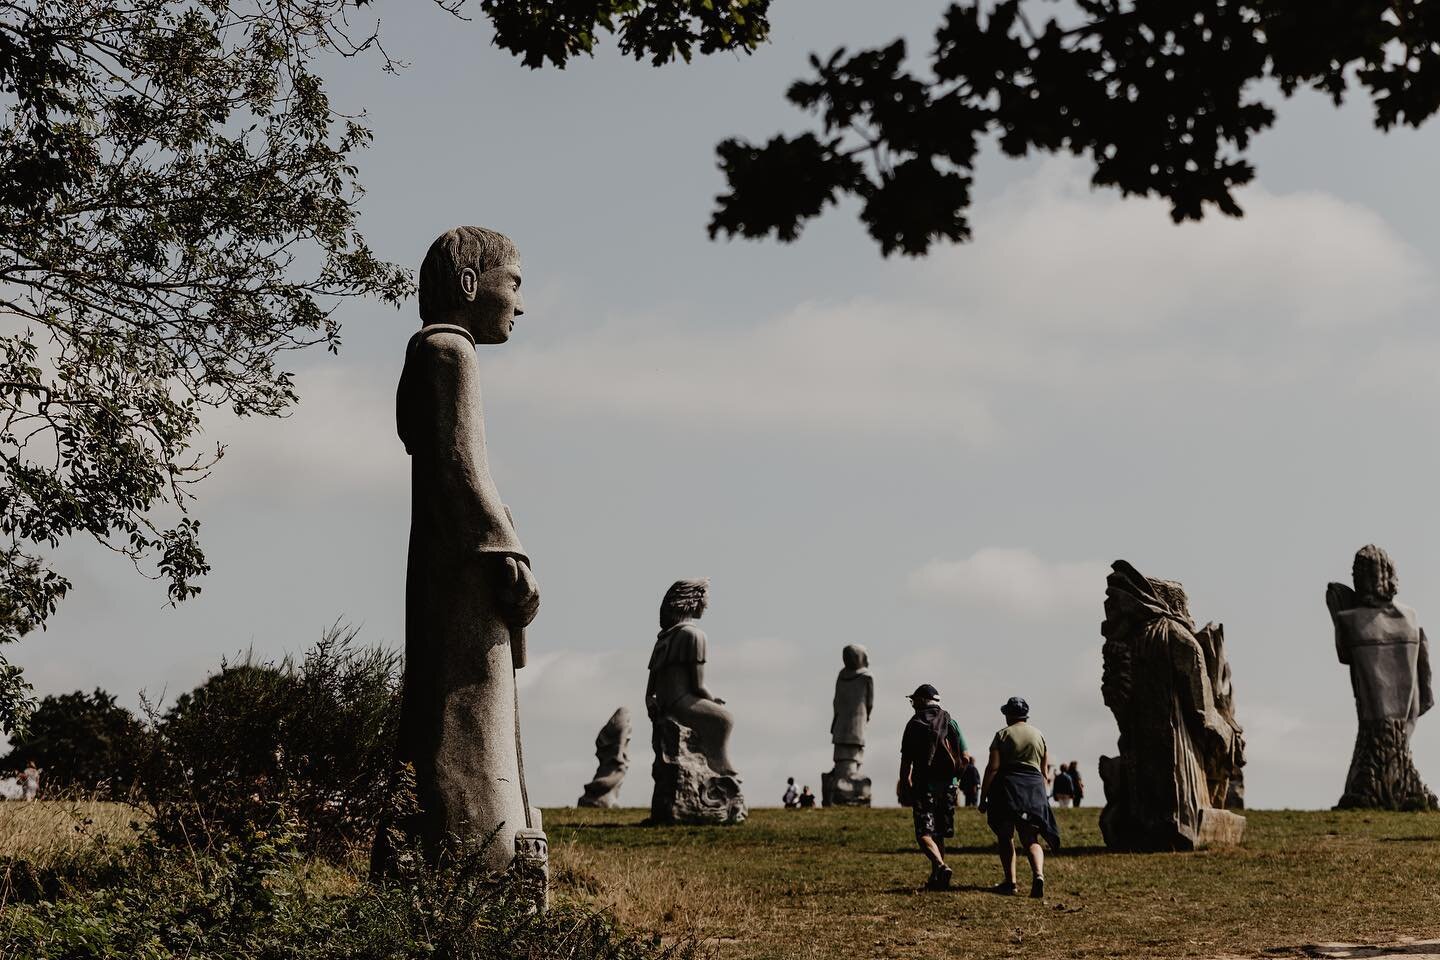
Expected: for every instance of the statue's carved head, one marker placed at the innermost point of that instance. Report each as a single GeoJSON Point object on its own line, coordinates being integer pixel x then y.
{"type": "Point", "coordinates": [1172, 594]}
{"type": "Point", "coordinates": [855, 656]}
{"type": "Point", "coordinates": [685, 600]}
{"type": "Point", "coordinates": [471, 278]}
{"type": "Point", "coordinates": [1374, 576]}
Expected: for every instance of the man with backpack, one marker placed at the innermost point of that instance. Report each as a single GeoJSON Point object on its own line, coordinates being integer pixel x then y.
{"type": "Point", "coordinates": [932, 750]}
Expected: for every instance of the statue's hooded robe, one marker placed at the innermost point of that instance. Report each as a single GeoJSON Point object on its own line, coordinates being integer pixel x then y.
{"type": "Point", "coordinates": [1158, 685]}
{"type": "Point", "coordinates": [457, 720]}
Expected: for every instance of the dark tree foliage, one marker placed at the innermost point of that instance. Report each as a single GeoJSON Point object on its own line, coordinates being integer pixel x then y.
{"type": "Point", "coordinates": [177, 212]}
{"type": "Point", "coordinates": [83, 741]}
{"type": "Point", "coordinates": [316, 737]}
{"type": "Point", "coordinates": [1159, 94]}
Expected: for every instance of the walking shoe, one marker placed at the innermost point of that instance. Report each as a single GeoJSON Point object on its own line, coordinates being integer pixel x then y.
{"type": "Point", "coordinates": [1006, 888]}
{"type": "Point", "coordinates": [1037, 888]}
{"type": "Point", "coordinates": [942, 877]}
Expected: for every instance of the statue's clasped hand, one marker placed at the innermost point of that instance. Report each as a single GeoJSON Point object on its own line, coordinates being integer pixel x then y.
{"type": "Point", "coordinates": [519, 593]}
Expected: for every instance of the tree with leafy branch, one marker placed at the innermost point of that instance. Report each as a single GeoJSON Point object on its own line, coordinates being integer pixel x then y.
{"type": "Point", "coordinates": [1163, 97]}
{"type": "Point", "coordinates": [177, 213]}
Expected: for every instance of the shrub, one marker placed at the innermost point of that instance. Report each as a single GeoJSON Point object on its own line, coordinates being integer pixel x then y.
{"type": "Point", "coordinates": [316, 737]}
{"type": "Point", "coordinates": [83, 741]}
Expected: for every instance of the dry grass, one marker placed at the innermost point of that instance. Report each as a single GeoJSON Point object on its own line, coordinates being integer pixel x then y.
{"type": "Point", "coordinates": [44, 832]}
{"type": "Point", "coordinates": [832, 883]}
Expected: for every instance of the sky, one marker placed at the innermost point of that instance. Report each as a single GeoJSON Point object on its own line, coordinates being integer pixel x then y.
{"type": "Point", "coordinates": [936, 458]}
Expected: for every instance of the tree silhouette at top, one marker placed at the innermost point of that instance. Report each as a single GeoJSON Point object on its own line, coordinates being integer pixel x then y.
{"type": "Point", "coordinates": [1163, 97]}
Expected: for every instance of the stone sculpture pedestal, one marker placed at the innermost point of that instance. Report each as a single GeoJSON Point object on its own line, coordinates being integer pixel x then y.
{"type": "Point", "coordinates": [839, 790]}
{"type": "Point", "coordinates": [1219, 828]}
{"type": "Point", "coordinates": [1382, 772]}
{"type": "Point", "coordinates": [687, 790]}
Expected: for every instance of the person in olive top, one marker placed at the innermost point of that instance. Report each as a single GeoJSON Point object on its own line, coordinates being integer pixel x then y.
{"type": "Point", "coordinates": [931, 751]}
{"type": "Point", "coordinates": [1013, 795]}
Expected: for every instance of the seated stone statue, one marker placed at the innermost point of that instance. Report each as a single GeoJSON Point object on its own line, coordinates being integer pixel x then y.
{"type": "Point", "coordinates": [854, 701]}
{"type": "Point", "coordinates": [695, 781]}
{"type": "Point", "coordinates": [1166, 789]}
{"type": "Point", "coordinates": [1389, 659]}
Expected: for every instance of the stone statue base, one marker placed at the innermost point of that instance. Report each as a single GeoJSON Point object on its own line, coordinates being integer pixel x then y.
{"type": "Point", "coordinates": [607, 799]}
{"type": "Point", "coordinates": [840, 790]}
{"type": "Point", "coordinates": [1124, 829]}
{"type": "Point", "coordinates": [531, 865]}
{"type": "Point", "coordinates": [1382, 772]}
{"type": "Point", "coordinates": [687, 790]}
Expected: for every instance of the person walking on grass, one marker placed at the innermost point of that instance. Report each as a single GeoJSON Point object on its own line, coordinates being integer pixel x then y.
{"type": "Point", "coordinates": [970, 781]}
{"type": "Point", "coordinates": [1012, 795]}
{"type": "Point", "coordinates": [791, 799]}
{"type": "Point", "coordinates": [1075, 781]}
{"type": "Point", "coordinates": [931, 752]}
{"type": "Point", "coordinates": [1063, 791]}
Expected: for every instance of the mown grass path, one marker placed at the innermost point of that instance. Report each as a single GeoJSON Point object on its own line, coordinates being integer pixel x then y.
{"type": "Point", "coordinates": [845, 883]}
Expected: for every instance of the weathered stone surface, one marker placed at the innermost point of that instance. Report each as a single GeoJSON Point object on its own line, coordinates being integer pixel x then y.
{"type": "Point", "coordinates": [854, 700]}
{"type": "Point", "coordinates": [687, 788]}
{"type": "Point", "coordinates": [1178, 743]}
{"type": "Point", "coordinates": [695, 781]}
{"type": "Point", "coordinates": [1389, 659]}
{"type": "Point", "coordinates": [469, 592]}
{"type": "Point", "coordinates": [612, 750]}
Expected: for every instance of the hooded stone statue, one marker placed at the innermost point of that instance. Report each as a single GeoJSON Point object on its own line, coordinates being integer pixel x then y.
{"type": "Point", "coordinates": [1167, 788]}
{"type": "Point", "coordinates": [1389, 659]}
{"type": "Point", "coordinates": [854, 701]}
{"type": "Point", "coordinates": [469, 592]}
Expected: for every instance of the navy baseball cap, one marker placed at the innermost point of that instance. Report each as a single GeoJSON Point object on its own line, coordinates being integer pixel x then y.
{"type": "Point", "coordinates": [925, 692]}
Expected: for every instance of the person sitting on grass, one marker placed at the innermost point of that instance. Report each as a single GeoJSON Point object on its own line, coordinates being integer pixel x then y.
{"type": "Point", "coordinates": [1012, 795]}
{"type": "Point", "coordinates": [931, 752]}
{"type": "Point", "coordinates": [807, 799]}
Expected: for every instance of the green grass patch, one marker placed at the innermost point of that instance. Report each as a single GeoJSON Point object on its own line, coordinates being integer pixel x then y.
{"type": "Point", "coordinates": [846, 883]}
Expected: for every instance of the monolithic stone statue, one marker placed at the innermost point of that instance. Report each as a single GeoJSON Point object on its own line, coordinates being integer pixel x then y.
{"type": "Point", "coordinates": [612, 749]}
{"type": "Point", "coordinates": [854, 700]}
{"type": "Point", "coordinates": [1389, 659]}
{"type": "Point", "coordinates": [694, 779]}
{"type": "Point", "coordinates": [469, 592]}
{"type": "Point", "coordinates": [1178, 742]}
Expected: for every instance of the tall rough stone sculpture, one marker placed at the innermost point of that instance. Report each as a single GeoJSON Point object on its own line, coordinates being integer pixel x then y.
{"type": "Point", "coordinates": [1389, 659]}
{"type": "Point", "coordinates": [694, 779]}
{"type": "Point", "coordinates": [1179, 743]}
{"type": "Point", "coordinates": [854, 700]}
{"type": "Point", "coordinates": [612, 750]}
{"type": "Point", "coordinates": [469, 592]}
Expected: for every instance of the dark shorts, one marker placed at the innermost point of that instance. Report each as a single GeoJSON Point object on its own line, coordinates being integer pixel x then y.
{"type": "Point", "coordinates": [934, 812]}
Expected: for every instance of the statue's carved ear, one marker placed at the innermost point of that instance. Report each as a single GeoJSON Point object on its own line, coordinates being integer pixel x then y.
{"type": "Point", "coordinates": [469, 283]}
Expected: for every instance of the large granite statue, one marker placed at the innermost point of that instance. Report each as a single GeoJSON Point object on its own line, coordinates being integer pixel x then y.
{"type": "Point", "coordinates": [854, 700]}
{"type": "Point", "coordinates": [694, 779]}
{"type": "Point", "coordinates": [1178, 743]}
{"type": "Point", "coordinates": [1389, 660]}
{"type": "Point", "coordinates": [469, 592]}
{"type": "Point", "coordinates": [612, 750]}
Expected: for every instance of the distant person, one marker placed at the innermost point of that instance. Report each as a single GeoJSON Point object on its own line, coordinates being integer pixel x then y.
{"type": "Point", "coordinates": [1013, 795]}
{"type": "Point", "coordinates": [1076, 782]}
{"type": "Point", "coordinates": [807, 799]}
{"type": "Point", "coordinates": [791, 798]}
{"type": "Point", "coordinates": [31, 780]}
{"type": "Point", "coordinates": [931, 752]}
{"type": "Point", "coordinates": [970, 780]}
{"type": "Point", "coordinates": [1063, 791]}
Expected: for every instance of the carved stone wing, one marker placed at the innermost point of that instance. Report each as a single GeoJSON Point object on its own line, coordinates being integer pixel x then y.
{"type": "Point", "coordinates": [1339, 598]}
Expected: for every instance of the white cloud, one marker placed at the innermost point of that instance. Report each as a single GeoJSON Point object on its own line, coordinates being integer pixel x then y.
{"type": "Point", "coordinates": [1066, 292]}
{"type": "Point", "coordinates": [1014, 582]}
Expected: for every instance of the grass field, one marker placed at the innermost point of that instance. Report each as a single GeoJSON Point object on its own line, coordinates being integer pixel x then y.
{"type": "Point", "coordinates": [804, 885]}
{"type": "Point", "coordinates": [845, 883]}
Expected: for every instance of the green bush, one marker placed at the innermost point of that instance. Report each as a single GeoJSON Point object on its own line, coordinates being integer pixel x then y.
{"type": "Point", "coordinates": [316, 737]}
{"type": "Point", "coordinates": [82, 741]}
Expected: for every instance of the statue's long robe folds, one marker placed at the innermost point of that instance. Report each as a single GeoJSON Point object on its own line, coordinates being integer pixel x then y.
{"type": "Point", "coordinates": [1157, 683]}
{"type": "Point", "coordinates": [457, 719]}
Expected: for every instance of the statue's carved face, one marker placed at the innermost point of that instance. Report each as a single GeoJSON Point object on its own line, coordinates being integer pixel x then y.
{"type": "Point", "coordinates": [493, 302]}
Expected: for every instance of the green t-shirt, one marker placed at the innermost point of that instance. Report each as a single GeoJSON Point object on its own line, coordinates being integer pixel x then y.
{"type": "Point", "coordinates": [1020, 743]}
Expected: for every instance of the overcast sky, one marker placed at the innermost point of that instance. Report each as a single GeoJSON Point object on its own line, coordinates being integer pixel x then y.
{"type": "Point", "coordinates": [937, 459]}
